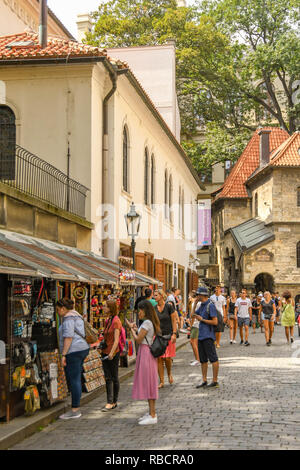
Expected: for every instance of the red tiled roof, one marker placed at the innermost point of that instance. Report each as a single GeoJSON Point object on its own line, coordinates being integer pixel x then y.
{"type": "Point", "coordinates": [234, 186]}
{"type": "Point", "coordinates": [56, 47]}
{"type": "Point", "coordinates": [288, 154]}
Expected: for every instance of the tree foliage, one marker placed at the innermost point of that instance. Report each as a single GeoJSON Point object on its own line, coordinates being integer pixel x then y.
{"type": "Point", "coordinates": [238, 64]}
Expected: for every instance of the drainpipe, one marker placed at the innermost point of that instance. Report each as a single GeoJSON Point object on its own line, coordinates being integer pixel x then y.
{"type": "Point", "coordinates": [43, 33]}
{"type": "Point", "coordinates": [113, 74]}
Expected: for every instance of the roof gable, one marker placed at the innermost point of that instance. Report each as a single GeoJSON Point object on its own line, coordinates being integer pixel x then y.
{"type": "Point", "coordinates": [234, 186]}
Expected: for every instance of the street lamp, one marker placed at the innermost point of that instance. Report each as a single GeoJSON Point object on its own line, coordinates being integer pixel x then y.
{"type": "Point", "coordinates": [133, 220]}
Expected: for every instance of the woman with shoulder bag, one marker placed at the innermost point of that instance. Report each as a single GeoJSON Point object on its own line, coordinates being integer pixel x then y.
{"type": "Point", "coordinates": [288, 317]}
{"type": "Point", "coordinates": [74, 349]}
{"type": "Point", "coordinates": [145, 383]}
{"type": "Point", "coordinates": [168, 325]}
{"type": "Point", "coordinates": [111, 355]}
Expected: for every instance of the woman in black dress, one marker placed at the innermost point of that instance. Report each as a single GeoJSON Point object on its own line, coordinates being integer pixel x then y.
{"type": "Point", "coordinates": [168, 325]}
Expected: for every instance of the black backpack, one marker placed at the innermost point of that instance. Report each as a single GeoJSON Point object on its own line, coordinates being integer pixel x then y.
{"type": "Point", "coordinates": [219, 316]}
{"type": "Point", "coordinates": [159, 345]}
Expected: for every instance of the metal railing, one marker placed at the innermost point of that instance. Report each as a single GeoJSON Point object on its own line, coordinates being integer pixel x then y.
{"type": "Point", "coordinates": [33, 176]}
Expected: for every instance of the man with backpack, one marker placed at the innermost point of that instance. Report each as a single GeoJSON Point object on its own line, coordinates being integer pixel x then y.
{"type": "Point", "coordinates": [206, 314]}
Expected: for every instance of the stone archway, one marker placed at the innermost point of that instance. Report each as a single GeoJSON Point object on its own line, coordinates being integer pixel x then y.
{"type": "Point", "coordinates": [264, 282]}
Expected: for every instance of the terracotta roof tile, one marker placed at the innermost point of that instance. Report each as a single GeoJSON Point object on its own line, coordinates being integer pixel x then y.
{"type": "Point", "coordinates": [56, 47]}
{"type": "Point", "coordinates": [288, 153]}
{"type": "Point", "coordinates": [234, 186]}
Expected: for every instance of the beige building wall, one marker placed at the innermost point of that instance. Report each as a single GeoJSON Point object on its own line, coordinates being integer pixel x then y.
{"type": "Point", "coordinates": [158, 236]}
{"type": "Point", "coordinates": [17, 15]}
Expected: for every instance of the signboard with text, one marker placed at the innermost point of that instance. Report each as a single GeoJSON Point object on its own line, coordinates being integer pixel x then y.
{"type": "Point", "coordinates": [204, 223]}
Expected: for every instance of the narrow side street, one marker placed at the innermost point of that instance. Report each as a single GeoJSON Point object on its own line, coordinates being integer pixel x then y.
{"type": "Point", "coordinates": [256, 407]}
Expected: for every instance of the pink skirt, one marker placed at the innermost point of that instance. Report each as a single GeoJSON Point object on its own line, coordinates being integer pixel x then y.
{"type": "Point", "coordinates": [145, 382]}
{"type": "Point", "coordinates": [170, 351]}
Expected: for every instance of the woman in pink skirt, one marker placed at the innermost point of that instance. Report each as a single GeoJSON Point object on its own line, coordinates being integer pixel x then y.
{"type": "Point", "coordinates": [145, 383]}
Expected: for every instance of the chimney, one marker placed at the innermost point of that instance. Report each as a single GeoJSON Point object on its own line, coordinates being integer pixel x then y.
{"type": "Point", "coordinates": [264, 147]}
{"type": "Point", "coordinates": [84, 25]}
{"type": "Point", "coordinates": [43, 33]}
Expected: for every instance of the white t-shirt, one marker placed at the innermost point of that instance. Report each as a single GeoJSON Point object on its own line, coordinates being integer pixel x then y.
{"type": "Point", "coordinates": [196, 322]}
{"type": "Point", "coordinates": [148, 326]}
{"type": "Point", "coordinates": [243, 307]}
{"type": "Point", "coordinates": [219, 301]}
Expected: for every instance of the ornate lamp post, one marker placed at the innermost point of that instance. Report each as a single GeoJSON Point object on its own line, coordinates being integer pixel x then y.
{"type": "Point", "coordinates": [133, 220]}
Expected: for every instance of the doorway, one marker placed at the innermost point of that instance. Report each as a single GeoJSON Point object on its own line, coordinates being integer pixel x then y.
{"type": "Point", "coordinates": [264, 282]}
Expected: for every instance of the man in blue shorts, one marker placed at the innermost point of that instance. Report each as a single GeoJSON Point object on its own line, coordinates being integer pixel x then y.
{"type": "Point", "coordinates": [208, 319]}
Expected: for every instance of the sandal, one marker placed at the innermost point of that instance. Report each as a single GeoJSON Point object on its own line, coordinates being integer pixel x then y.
{"type": "Point", "coordinates": [105, 410]}
{"type": "Point", "coordinates": [171, 380]}
{"type": "Point", "coordinates": [161, 386]}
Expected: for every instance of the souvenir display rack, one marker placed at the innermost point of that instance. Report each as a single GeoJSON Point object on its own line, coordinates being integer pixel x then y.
{"type": "Point", "coordinates": [93, 375]}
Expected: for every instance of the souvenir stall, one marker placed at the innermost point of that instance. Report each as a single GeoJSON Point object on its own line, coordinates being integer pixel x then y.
{"type": "Point", "coordinates": [35, 377]}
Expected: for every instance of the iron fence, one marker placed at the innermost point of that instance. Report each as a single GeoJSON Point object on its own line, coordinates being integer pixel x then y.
{"type": "Point", "coordinates": [33, 176]}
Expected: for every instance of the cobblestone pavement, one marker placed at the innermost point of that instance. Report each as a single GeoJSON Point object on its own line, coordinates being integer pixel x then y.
{"type": "Point", "coordinates": [256, 407]}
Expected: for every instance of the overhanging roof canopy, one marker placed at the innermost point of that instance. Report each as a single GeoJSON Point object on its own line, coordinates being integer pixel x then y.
{"type": "Point", "coordinates": [251, 234]}
{"type": "Point", "coordinates": [29, 256]}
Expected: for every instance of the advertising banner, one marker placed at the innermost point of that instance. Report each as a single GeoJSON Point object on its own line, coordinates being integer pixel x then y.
{"type": "Point", "coordinates": [204, 223]}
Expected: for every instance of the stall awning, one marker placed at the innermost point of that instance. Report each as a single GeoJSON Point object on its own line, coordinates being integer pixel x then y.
{"type": "Point", "coordinates": [29, 256]}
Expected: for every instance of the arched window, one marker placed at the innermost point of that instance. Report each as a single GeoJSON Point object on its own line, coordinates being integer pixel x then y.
{"type": "Point", "coordinates": [152, 180]}
{"type": "Point", "coordinates": [298, 255]}
{"type": "Point", "coordinates": [182, 209]}
{"type": "Point", "coordinates": [298, 197]}
{"type": "Point", "coordinates": [166, 193]}
{"type": "Point", "coordinates": [170, 198]}
{"type": "Point", "coordinates": [125, 160]}
{"type": "Point", "coordinates": [7, 143]}
{"type": "Point", "coordinates": [146, 178]}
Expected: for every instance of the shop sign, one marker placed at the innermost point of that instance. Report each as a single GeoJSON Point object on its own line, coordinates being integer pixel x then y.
{"type": "Point", "coordinates": [204, 223]}
{"type": "Point", "coordinates": [264, 256]}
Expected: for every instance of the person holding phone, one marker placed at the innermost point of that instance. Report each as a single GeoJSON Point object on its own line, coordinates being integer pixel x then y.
{"type": "Point", "coordinates": [111, 350]}
{"type": "Point", "coordinates": [145, 382]}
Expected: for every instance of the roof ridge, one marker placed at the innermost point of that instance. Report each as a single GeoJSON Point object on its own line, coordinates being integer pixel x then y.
{"type": "Point", "coordinates": [284, 148]}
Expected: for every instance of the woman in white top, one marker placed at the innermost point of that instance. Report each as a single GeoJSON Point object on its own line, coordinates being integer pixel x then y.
{"type": "Point", "coordinates": [145, 383]}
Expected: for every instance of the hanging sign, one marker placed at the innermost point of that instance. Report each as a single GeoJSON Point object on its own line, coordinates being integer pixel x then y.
{"type": "Point", "coordinates": [204, 223]}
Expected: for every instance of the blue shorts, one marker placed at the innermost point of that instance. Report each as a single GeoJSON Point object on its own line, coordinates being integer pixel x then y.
{"type": "Point", "coordinates": [243, 322]}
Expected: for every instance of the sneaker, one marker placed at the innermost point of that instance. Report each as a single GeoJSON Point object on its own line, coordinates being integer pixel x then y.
{"type": "Point", "coordinates": [204, 384]}
{"type": "Point", "coordinates": [148, 420]}
{"type": "Point", "coordinates": [144, 417]}
{"type": "Point", "coordinates": [247, 343]}
{"type": "Point", "coordinates": [195, 363]}
{"type": "Point", "coordinates": [268, 343]}
{"type": "Point", "coordinates": [242, 342]}
{"type": "Point", "coordinates": [231, 341]}
{"type": "Point", "coordinates": [213, 385]}
{"type": "Point", "coordinates": [183, 331]}
{"type": "Point", "coordinates": [71, 415]}
{"type": "Point", "coordinates": [234, 341]}
{"type": "Point", "coordinates": [292, 339]}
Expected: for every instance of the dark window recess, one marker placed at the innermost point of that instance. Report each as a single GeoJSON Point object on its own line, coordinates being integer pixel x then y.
{"type": "Point", "coordinates": [146, 179]}
{"type": "Point", "coordinates": [125, 160]}
{"type": "Point", "coordinates": [7, 144]}
{"type": "Point", "coordinates": [298, 255]}
{"type": "Point", "coordinates": [298, 197]}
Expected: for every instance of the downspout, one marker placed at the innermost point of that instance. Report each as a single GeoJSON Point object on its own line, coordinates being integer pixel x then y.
{"type": "Point", "coordinates": [113, 74]}
{"type": "Point", "coordinates": [105, 142]}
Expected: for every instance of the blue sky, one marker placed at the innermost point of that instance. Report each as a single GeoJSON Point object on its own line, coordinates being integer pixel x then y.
{"type": "Point", "coordinates": [67, 11]}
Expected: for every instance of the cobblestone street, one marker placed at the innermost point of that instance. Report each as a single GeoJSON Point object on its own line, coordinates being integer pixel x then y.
{"type": "Point", "coordinates": [256, 407]}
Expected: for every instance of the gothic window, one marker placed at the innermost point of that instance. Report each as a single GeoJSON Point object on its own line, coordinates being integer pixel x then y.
{"type": "Point", "coordinates": [146, 178]}
{"type": "Point", "coordinates": [125, 161]}
{"type": "Point", "coordinates": [166, 194]}
{"type": "Point", "coordinates": [170, 198]}
{"type": "Point", "coordinates": [298, 255]}
{"type": "Point", "coordinates": [7, 143]}
{"type": "Point", "coordinates": [256, 205]}
{"type": "Point", "coordinates": [152, 180]}
{"type": "Point", "coordinates": [298, 197]}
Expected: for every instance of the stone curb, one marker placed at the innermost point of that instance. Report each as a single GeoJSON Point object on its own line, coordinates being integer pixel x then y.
{"type": "Point", "coordinates": [23, 427]}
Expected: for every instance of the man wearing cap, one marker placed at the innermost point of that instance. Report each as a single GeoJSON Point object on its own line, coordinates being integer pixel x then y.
{"type": "Point", "coordinates": [208, 319]}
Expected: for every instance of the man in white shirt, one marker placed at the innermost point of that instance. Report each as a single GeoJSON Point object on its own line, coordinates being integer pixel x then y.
{"type": "Point", "coordinates": [243, 312]}
{"type": "Point", "coordinates": [220, 303]}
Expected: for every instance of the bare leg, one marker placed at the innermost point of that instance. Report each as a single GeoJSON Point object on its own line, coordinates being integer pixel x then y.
{"type": "Point", "coordinates": [241, 333]}
{"type": "Point", "coordinates": [267, 334]}
{"type": "Point", "coordinates": [204, 368]}
{"type": "Point", "coordinates": [161, 372]}
{"type": "Point", "coordinates": [194, 343]}
{"type": "Point", "coordinates": [246, 333]}
{"type": "Point", "coordinates": [231, 326]}
{"type": "Point", "coordinates": [271, 326]}
{"type": "Point", "coordinates": [215, 368]}
{"type": "Point", "coordinates": [169, 369]}
{"type": "Point", "coordinates": [292, 331]}
{"type": "Point", "coordinates": [287, 333]}
{"type": "Point", "coordinates": [235, 327]}
{"type": "Point", "coordinates": [218, 338]}
{"type": "Point", "coordinates": [152, 408]}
